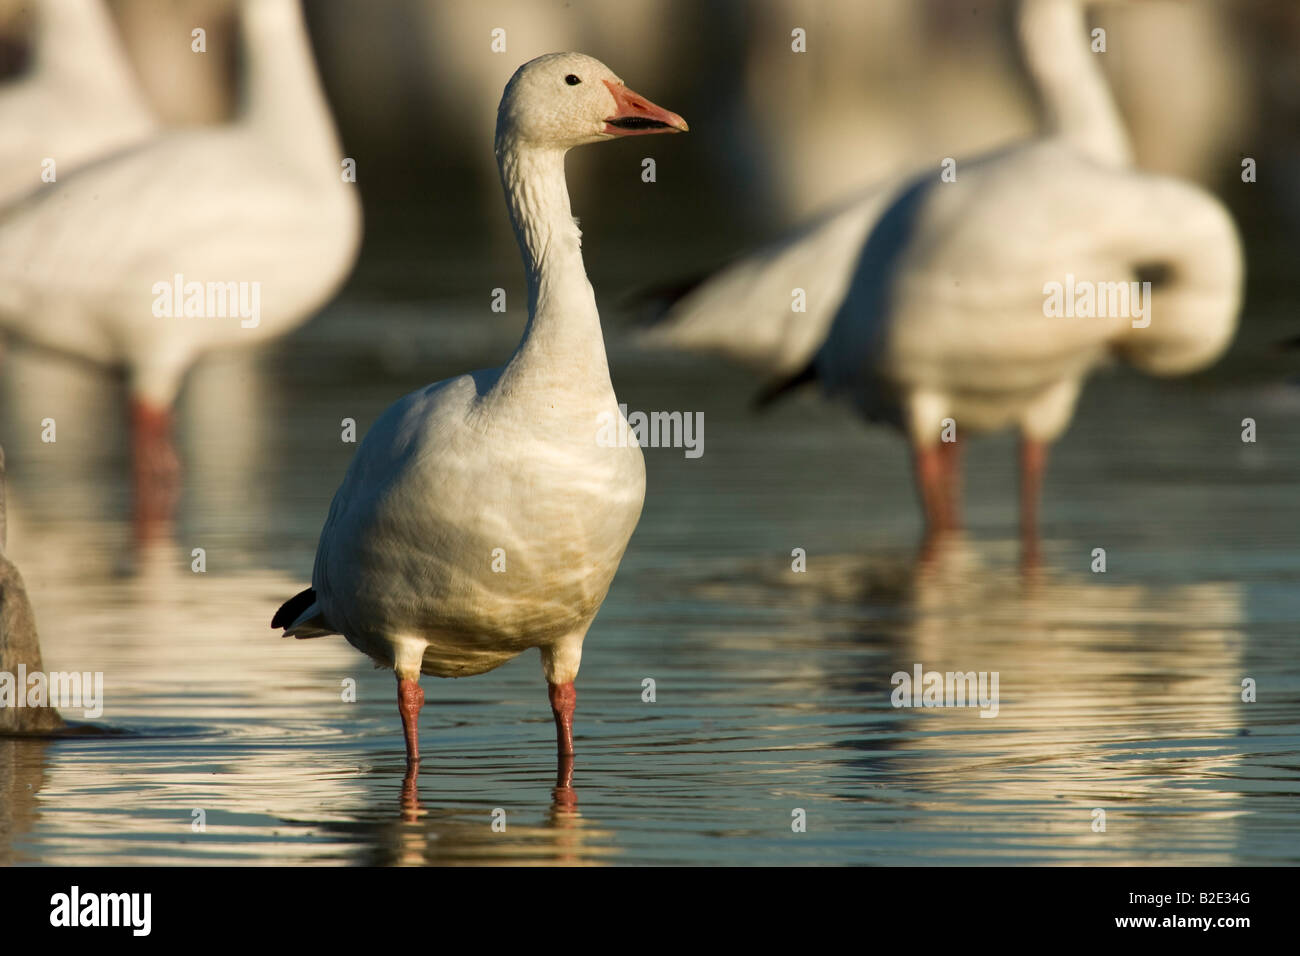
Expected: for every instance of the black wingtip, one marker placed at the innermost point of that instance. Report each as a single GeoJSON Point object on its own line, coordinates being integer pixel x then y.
{"type": "Point", "coordinates": [779, 389]}
{"type": "Point", "coordinates": [291, 608]}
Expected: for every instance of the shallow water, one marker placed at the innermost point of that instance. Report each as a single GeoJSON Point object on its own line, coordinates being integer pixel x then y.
{"type": "Point", "coordinates": [1119, 691]}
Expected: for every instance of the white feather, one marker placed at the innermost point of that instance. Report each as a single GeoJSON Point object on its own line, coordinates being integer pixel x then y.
{"type": "Point", "coordinates": [502, 466]}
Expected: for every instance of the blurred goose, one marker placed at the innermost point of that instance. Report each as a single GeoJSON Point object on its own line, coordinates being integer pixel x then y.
{"type": "Point", "coordinates": [201, 238]}
{"type": "Point", "coordinates": [744, 314]}
{"type": "Point", "coordinates": [482, 516]}
{"type": "Point", "coordinates": [78, 102]}
{"type": "Point", "coordinates": [20, 646]}
{"type": "Point", "coordinates": [927, 300]}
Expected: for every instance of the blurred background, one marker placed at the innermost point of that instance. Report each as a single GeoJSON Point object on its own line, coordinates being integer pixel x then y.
{"type": "Point", "coordinates": [886, 85]}
{"type": "Point", "coordinates": [777, 691]}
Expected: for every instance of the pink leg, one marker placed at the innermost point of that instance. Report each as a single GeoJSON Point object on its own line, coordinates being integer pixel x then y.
{"type": "Point", "coordinates": [929, 481]}
{"type": "Point", "coordinates": [564, 698]}
{"type": "Point", "coordinates": [1033, 465]}
{"type": "Point", "coordinates": [155, 468]}
{"type": "Point", "coordinates": [564, 796]}
{"type": "Point", "coordinates": [950, 475]}
{"type": "Point", "coordinates": [410, 698]}
{"type": "Point", "coordinates": [930, 470]}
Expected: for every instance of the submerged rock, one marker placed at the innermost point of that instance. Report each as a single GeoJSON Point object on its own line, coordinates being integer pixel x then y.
{"type": "Point", "coordinates": [19, 642]}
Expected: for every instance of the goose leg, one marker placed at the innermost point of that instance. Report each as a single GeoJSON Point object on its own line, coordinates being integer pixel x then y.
{"type": "Point", "coordinates": [155, 467]}
{"type": "Point", "coordinates": [930, 468]}
{"type": "Point", "coordinates": [564, 698]}
{"type": "Point", "coordinates": [1033, 465]}
{"type": "Point", "coordinates": [410, 698]}
{"type": "Point", "coordinates": [950, 474]}
{"type": "Point", "coordinates": [563, 793]}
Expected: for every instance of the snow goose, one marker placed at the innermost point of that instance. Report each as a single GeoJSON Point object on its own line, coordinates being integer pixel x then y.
{"type": "Point", "coordinates": [926, 300]}
{"type": "Point", "coordinates": [77, 103]}
{"type": "Point", "coordinates": [482, 516]}
{"type": "Point", "coordinates": [200, 238]}
{"type": "Point", "coordinates": [743, 313]}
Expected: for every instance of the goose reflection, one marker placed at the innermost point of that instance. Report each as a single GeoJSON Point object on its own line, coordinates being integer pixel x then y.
{"type": "Point", "coordinates": [564, 797]}
{"type": "Point", "coordinates": [72, 463]}
{"type": "Point", "coordinates": [1123, 696]}
{"type": "Point", "coordinates": [1115, 697]}
{"type": "Point", "coordinates": [422, 833]}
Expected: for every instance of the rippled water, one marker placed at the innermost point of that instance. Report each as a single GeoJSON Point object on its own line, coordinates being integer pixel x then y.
{"type": "Point", "coordinates": [1119, 691]}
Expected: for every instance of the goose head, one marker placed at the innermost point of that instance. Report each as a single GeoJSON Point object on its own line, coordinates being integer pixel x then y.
{"type": "Point", "coordinates": [562, 100]}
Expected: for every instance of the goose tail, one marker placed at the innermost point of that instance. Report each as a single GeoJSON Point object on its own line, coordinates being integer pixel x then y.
{"type": "Point", "coordinates": [301, 617]}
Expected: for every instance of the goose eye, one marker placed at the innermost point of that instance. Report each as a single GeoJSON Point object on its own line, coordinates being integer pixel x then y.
{"type": "Point", "coordinates": [572, 80]}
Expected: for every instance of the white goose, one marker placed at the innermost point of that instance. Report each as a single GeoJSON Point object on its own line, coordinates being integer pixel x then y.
{"type": "Point", "coordinates": [925, 299]}
{"type": "Point", "coordinates": [78, 102]}
{"type": "Point", "coordinates": [501, 466]}
{"type": "Point", "coordinates": [743, 312]}
{"type": "Point", "coordinates": [254, 208]}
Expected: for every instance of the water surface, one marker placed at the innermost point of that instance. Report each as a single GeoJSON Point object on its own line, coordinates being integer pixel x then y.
{"type": "Point", "coordinates": [1118, 691]}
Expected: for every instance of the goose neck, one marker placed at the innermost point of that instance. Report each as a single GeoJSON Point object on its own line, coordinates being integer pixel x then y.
{"type": "Point", "coordinates": [537, 197]}
{"type": "Point", "coordinates": [563, 331]}
{"type": "Point", "coordinates": [282, 95]}
{"type": "Point", "coordinates": [1078, 102]}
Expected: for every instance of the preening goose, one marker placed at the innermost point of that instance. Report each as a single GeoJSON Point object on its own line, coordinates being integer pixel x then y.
{"type": "Point", "coordinates": [77, 103]}
{"type": "Point", "coordinates": [482, 516]}
{"type": "Point", "coordinates": [926, 300]}
{"type": "Point", "coordinates": [201, 238]}
{"type": "Point", "coordinates": [743, 313]}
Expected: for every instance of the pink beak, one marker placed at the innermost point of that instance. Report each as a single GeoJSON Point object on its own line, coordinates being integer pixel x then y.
{"type": "Point", "coordinates": [634, 115]}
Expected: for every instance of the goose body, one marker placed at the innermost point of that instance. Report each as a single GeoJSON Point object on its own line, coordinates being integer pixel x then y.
{"type": "Point", "coordinates": [464, 475]}
{"type": "Point", "coordinates": [103, 266]}
{"type": "Point", "coordinates": [78, 103]}
{"type": "Point", "coordinates": [939, 321]}
{"type": "Point", "coordinates": [743, 313]}
{"type": "Point", "coordinates": [482, 516]}
{"type": "Point", "coordinates": [79, 279]}
{"type": "Point", "coordinates": [925, 299]}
